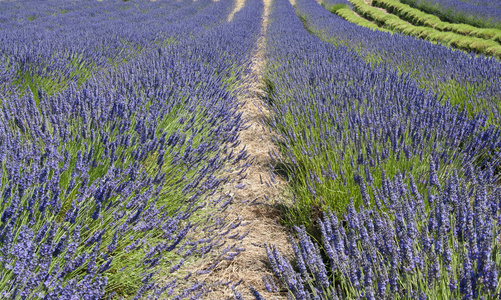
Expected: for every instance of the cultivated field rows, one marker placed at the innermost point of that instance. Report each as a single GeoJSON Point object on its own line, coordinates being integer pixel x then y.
{"type": "Point", "coordinates": [248, 149]}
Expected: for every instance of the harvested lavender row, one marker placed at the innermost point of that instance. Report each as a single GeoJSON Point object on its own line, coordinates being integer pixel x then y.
{"type": "Point", "coordinates": [422, 172]}
{"type": "Point", "coordinates": [103, 181]}
{"type": "Point", "coordinates": [474, 82]}
{"type": "Point", "coordinates": [482, 13]}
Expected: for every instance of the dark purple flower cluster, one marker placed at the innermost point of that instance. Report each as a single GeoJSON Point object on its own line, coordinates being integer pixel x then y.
{"type": "Point", "coordinates": [397, 250]}
{"type": "Point", "coordinates": [103, 180]}
{"type": "Point", "coordinates": [7, 75]}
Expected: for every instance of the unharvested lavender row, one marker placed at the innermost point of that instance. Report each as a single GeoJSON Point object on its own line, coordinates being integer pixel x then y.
{"type": "Point", "coordinates": [471, 81]}
{"type": "Point", "coordinates": [393, 252]}
{"type": "Point", "coordinates": [339, 116]}
{"type": "Point", "coordinates": [486, 3]}
{"type": "Point", "coordinates": [410, 178]}
{"type": "Point", "coordinates": [104, 181]}
{"type": "Point", "coordinates": [60, 44]}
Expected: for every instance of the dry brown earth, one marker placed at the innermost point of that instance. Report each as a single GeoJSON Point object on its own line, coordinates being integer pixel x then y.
{"type": "Point", "coordinates": [255, 202]}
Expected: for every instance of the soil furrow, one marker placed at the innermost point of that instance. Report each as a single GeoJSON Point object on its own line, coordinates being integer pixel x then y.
{"type": "Point", "coordinates": [254, 195]}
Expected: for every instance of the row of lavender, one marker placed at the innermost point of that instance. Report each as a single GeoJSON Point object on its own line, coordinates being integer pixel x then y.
{"type": "Point", "coordinates": [487, 3]}
{"type": "Point", "coordinates": [89, 36]}
{"type": "Point", "coordinates": [481, 13]}
{"type": "Point", "coordinates": [470, 81]}
{"type": "Point", "coordinates": [105, 180]}
{"type": "Point", "coordinates": [406, 181]}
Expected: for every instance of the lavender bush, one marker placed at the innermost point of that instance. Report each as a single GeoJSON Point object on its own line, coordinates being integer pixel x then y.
{"type": "Point", "coordinates": [410, 178]}
{"type": "Point", "coordinates": [471, 81]}
{"type": "Point", "coordinates": [105, 35]}
{"type": "Point", "coordinates": [338, 117]}
{"type": "Point", "coordinates": [105, 179]}
{"type": "Point", "coordinates": [397, 250]}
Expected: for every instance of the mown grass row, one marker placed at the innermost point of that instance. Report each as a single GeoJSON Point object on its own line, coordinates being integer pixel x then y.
{"type": "Point", "coordinates": [345, 12]}
{"type": "Point", "coordinates": [453, 15]}
{"type": "Point", "coordinates": [420, 18]}
{"type": "Point", "coordinates": [394, 23]}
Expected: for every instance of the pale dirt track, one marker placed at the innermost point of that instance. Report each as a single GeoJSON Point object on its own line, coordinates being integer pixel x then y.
{"type": "Point", "coordinates": [252, 264]}
{"type": "Point", "coordinates": [238, 6]}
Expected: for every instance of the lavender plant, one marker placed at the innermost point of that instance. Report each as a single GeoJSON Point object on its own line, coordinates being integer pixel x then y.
{"type": "Point", "coordinates": [398, 250]}
{"type": "Point", "coordinates": [94, 41]}
{"type": "Point", "coordinates": [103, 181]}
{"type": "Point", "coordinates": [339, 117]}
{"type": "Point", "coordinates": [465, 79]}
{"type": "Point", "coordinates": [410, 210]}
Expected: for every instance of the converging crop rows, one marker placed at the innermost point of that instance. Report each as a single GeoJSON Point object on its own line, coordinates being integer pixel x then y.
{"type": "Point", "coordinates": [121, 149]}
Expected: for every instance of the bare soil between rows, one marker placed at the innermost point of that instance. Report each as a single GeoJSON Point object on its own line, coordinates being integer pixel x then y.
{"type": "Point", "coordinates": [255, 196]}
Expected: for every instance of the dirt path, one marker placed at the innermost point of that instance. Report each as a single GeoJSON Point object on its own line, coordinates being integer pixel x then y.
{"type": "Point", "coordinates": [254, 195]}
{"type": "Point", "coordinates": [238, 6]}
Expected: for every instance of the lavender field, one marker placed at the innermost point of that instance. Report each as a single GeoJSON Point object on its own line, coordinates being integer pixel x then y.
{"type": "Point", "coordinates": [245, 149]}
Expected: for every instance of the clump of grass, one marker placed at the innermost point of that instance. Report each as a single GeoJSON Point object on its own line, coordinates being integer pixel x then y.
{"type": "Point", "coordinates": [347, 13]}
{"type": "Point", "coordinates": [336, 7]}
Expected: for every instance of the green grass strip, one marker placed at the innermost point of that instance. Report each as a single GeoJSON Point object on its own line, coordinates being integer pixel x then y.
{"type": "Point", "coordinates": [451, 15]}
{"type": "Point", "coordinates": [394, 23]}
{"type": "Point", "coordinates": [346, 13]}
{"type": "Point", "coordinates": [420, 18]}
